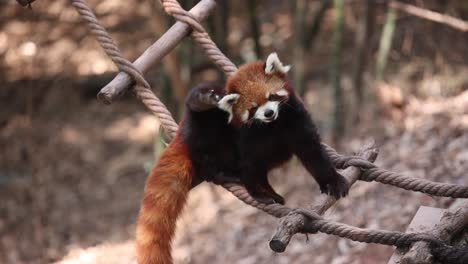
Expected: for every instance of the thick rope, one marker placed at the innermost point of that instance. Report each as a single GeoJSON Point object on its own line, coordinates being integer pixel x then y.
{"type": "Point", "coordinates": [199, 34]}
{"type": "Point", "coordinates": [415, 184]}
{"type": "Point", "coordinates": [142, 87]}
{"type": "Point", "coordinates": [391, 238]}
{"type": "Point", "coordinates": [374, 173]}
{"type": "Point", "coordinates": [318, 223]}
{"type": "Point", "coordinates": [276, 210]}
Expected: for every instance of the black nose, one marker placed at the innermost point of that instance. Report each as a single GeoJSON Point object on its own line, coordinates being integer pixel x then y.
{"type": "Point", "coordinates": [268, 113]}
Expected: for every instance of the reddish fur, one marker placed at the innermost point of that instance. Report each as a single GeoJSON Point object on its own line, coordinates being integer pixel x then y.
{"type": "Point", "coordinates": [164, 198]}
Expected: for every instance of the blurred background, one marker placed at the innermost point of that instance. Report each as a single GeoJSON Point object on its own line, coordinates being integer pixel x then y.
{"type": "Point", "coordinates": [72, 170]}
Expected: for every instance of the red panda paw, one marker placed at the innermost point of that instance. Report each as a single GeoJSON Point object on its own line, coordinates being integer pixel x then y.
{"type": "Point", "coordinates": [267, 198]}
{"type": "Point", "coordinates": [338, 187]}
{"type": "Point", "coordinates": [209, 97]}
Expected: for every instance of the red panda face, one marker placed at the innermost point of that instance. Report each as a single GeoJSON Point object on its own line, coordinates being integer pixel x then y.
{"type": "Point", "coordinates": [256, 91]}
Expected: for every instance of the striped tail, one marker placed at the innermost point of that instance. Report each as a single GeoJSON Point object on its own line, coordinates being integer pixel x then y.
{"type": "Point", "coordinates": [164, 198]}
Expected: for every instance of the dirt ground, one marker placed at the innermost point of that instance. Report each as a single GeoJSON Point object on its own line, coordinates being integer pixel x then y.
{"type": "Point", "coordinates": [78, 201]}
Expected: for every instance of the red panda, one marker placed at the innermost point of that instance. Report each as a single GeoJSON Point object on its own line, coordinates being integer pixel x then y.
{"type": "Point", "coordinates": [204, 148]}
{"type": "Point", "coordinates": [273, 125]}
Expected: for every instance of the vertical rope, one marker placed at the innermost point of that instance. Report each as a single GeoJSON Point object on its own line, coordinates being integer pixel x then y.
{"type": "Point", "coordinates": [142, 87]}
{"type": "Point", "coordinates": [199, 34]}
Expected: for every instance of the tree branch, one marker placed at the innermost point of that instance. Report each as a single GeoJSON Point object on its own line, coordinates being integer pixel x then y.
{"type": "Point", "coordinates": [430, 15]}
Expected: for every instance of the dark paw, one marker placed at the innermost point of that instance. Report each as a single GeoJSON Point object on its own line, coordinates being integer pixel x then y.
{"type": "Point", "coordinates": [277, 198]}
{"type": "Point", "coordinates": [267, 199]}
{"type": "Point", "coordinates": [338, 187]}
{"type": "Point", "coordinates": [210, 97]}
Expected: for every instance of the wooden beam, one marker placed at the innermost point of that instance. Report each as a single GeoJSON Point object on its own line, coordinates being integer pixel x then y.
{"type": "Point", "coordinates": [155, 53]}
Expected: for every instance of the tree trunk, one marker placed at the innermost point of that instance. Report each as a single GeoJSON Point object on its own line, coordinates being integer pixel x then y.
{"type": "Point", "coordinates": [363, 34]}
{"type": "Point", "coordinates": [254, 27]}
{"type": "Point", "coordinates": [313, 30]}
{"type": "Point", "coordinates": [385, 43]}
{"type": "Point", "coordinates": [298, 50]}
{"type": "Point", "coordinates": [335, 72]}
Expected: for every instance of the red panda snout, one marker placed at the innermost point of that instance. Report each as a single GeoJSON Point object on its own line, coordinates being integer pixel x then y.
{"type": "Point", "coordinates": [268, 112]}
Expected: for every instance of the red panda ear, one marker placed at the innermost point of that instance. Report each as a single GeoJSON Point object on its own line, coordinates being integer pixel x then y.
{"type": "Point", "coordinates": [228, 101]}
{"type": "Point", "coordinates": [273, 65]}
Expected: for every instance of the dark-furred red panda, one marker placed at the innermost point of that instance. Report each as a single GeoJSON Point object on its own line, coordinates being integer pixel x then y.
{"type": "Point", "coordinates": [274, 125]}
{"type": "Point", "coordinates": [204, 148]}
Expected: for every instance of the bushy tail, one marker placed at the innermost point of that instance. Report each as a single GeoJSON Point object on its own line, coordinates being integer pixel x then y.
{"type": "Point", "coordinates": [164, 198]}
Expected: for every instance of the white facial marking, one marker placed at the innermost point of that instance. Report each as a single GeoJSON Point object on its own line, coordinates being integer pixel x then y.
{"type": "Point", "coordinates": [245, 116]}
{"type": "Point", "coordinates": [267, 112]}
{"type": "Point", "coordinates": [227, 102]}
{"type": "Point", "coordinates": [273, 64]}
{"type": "Point", "coordinates": [282, 92]}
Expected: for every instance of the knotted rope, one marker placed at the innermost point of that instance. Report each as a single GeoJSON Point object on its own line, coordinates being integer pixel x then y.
{"type": "Point", "coordinates": [142, 87]}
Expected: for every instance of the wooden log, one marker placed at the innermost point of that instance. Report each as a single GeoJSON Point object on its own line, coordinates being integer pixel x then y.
{"type": "Point", "coordinates": [155, 53]}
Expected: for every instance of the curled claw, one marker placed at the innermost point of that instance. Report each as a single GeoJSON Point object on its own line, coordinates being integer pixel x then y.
{"type": "Point", "coordinates": [210, 97]}
{"type": "Point", "coordinates": [338, 188]}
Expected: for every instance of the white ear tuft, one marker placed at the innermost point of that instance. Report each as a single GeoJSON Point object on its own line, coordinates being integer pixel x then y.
{"type": "Point", "coordinates": [227, 101]}
{"type": "Point", "coordinates": [273, 64]}
{"type": "Point", "coordinates": [282, 92]}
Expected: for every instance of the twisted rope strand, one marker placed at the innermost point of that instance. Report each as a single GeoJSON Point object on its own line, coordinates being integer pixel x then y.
{"type": "Point", "coordinates": [374, 173]}
{"type": "Point", "coordinates": [142, 87]}
{"type": "Point", "coordinates": [415, 184]}
{"type": "Point", "coordinates": [391, 238]}
{"type": "Point", "coordinates": [173, 8]}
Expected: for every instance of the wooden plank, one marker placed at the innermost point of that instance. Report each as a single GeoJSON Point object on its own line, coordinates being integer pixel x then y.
{"type": "Point", "coordinates": [425, 220]}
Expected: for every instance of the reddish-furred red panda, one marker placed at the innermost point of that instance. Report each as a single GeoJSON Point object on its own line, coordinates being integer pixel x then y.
{"type": "Point", "coordinates": [274, 125]}
{"type": "Point", "coordinates": [204, 148]}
